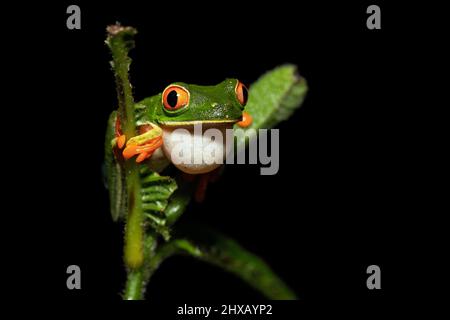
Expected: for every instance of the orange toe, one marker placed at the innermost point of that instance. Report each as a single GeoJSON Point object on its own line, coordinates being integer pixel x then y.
{"type": "Point", "coordinates": [144, 155]}
{"type": "Point", "coordinates": [246, 120]}
{"type": "Point", "coordinates": [143, 151]}
{"type": "Point", "coordinates": [130, 151]}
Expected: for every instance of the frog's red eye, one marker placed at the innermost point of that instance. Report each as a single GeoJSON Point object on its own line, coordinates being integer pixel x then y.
{"type": "Point", "coordinates": [175, 97]}
{"type": "Point", "coordinates": [241, 93]}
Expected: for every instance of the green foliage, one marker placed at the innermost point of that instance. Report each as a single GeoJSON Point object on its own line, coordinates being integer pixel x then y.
{"type": "Point", "coordinates": [155, 193]}
{"type": "Point", "coordinates": [217, 249]}
{"type": "Point", "coordinates": [115, 178]}
{"type": "Point", "coordinates": [274, 97]}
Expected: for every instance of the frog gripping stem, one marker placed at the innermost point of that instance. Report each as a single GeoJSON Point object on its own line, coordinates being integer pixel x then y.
{"type": "Point", "coordinates": [145, 144]}
{"type": "Point", "coordinates": [143, 151]}
{"type": "Point", "coordinates": [120, 137]}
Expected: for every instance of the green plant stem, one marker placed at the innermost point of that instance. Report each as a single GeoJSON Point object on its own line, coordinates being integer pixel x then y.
{"type": "Point", "coordinates": [120, 41]}
{"type": "Point", "coordinates": [134, 233]}
{"type": "Point", "coordinates": [133, 286]}
{"type": "Point", "coordinates": [217, 250]}
{"type": "Point", "coordinates": [137, 279]}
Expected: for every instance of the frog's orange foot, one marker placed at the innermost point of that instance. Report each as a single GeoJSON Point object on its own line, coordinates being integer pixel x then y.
{"type": "Point", "coordinates": [246, 120]}
{"type": "Point", "coordinates": [120, 138]}
{"type": "Point", "coordinates": [143, 151]}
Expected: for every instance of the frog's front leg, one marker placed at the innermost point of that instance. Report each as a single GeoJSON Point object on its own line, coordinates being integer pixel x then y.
{"type": "Point", "coordinates": [142, 145]}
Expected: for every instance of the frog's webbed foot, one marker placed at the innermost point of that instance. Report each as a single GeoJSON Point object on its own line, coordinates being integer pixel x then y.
{"type": "Point", "coordinates": [246, 121]}
{"type": "Point", "coordinates": [144, 151]}
{"type": "Point", "coordinates": [144, 144]}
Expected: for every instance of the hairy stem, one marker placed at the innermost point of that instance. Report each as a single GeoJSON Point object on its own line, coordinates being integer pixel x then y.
{"type": "Point", "coordinates": [120, 41]}
{"type": "Point", "coordinates": [225, 253]}
{"type": "Point", "coordinates": [133, 286]}
{"type": "Point", "coordinates": [137, 279]}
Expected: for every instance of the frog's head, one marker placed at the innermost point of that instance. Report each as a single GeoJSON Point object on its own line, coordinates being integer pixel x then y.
{"type": "Point", "coordinates": [183, 107]}
{"type": "Point", "coordinates": [185, 104]}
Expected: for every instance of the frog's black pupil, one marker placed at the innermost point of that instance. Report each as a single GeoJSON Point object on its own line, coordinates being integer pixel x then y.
{"type": "Point", "coordinates": [245, 94]}
{"type": "Point", "coordinates": [172, 98]}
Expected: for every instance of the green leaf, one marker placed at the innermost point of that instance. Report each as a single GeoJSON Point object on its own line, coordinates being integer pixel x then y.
{"type": "Point", "coordinates": [179, 201]}
{"type": "Point", "coordinates": [155, 193]}
{"type": "Point", "coordinates": [113, 174]}
{"type": "Point", "coordinates": [156, 190]}
{"type": "Point", "coordinates": [219, 250]}
{"type": "Point", "coordinates": [274, 97]}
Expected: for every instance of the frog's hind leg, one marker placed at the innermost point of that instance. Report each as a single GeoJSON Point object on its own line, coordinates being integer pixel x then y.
{"type": "Point", "coordinates": [202, 181]}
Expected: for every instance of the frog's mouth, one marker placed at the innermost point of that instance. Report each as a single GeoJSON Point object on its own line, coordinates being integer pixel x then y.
{"type": "Point", "coordinates": [193, 148]}
{"type": "Point", "coordinates": [192, 123]}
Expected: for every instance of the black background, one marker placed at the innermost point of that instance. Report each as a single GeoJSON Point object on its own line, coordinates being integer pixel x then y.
{"type": "Point", "coordinates": [331, 211]}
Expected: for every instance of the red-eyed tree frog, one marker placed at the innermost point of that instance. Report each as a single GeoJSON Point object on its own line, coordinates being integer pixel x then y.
{"type": "Point", "coordinates": [227, 105]}
{"type": "Point", "coordinates": [180, 105]}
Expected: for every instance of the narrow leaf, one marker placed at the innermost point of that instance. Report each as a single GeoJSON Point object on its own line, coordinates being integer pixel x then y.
{"type": "Point", "coordinates": [274, 97]}
{"type": "Point", "coordinates": [219, 250]}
